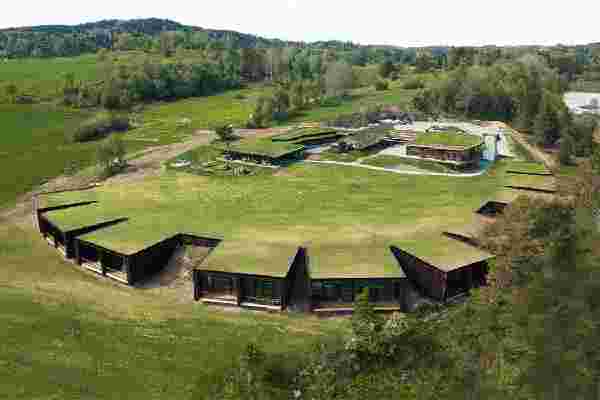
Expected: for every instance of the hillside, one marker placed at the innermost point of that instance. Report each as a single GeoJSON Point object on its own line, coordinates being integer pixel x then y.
{"type": "Point", "coordinates": [70, 40]}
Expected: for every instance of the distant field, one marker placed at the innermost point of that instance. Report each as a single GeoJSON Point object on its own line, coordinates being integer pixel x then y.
{"type": "Point", "coordinates": [44, 77]}
{"type": "Point", "coordinates": [33, 146]}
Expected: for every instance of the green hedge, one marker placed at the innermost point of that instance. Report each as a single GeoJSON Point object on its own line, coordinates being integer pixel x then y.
{"type": "Point", "coordinates": [101, 126]}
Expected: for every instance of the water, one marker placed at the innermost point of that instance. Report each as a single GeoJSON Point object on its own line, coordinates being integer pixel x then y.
{"type": "Point", "coordinates": [575, 100]}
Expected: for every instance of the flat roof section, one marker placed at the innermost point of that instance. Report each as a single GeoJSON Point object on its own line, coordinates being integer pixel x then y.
{"type": "Point", "coordinates": [531, 182]}
{"type": "Point", "coordinates": [67, 197]}
{"type": "Point", "coordinates": [443, 253]}
{"type": "Point", "coordinates": [264, 147]}
{"type": "Point", "coordinates": [70, 219]}
{"type": "Point", "coordinates": [353, 262]}
{"type": "Point", "coordinates": [449, 140]}
{"type": "Point", "coordinates": [527, 167]}
{"type": "Point", "coordinates": [471, 230]}
{"type": "Point", "coordinates": [251, 258]}
{"type": "Point", "coordinates": [131, 237]}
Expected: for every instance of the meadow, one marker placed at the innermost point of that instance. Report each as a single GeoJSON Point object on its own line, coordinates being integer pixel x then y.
{"type": "Point", "coordinates": [44, 78]}
{"type": "Point", "coordinates": [69, 335]}
{"type": "Point", "coordinates": [34, 147]}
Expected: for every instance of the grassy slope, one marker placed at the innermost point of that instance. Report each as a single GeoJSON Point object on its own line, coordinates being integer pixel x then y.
{"type": "Point", "coordinates": [66, 334]}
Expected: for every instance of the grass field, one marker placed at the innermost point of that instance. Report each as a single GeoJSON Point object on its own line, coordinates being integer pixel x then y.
{"type": "Point", "coordinates": [44, 77]}
{"type": "Point", "coordinates": [335, 207]}
{"type": "Point", "coordinates": [68, 335]}
{"type": "Point", "coordinates": [33, 147]}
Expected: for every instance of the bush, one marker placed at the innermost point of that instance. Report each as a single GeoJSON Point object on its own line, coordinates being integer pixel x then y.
{"type": "Point", "coordinates": [413, 83]}
{"type": "Point", "coordinates": [111, 156]}
{"type": "Point", "coordinates": [331, 101]}
{"type": "Point", "coordinates": [100, 126]}
{"type": "Point", "coordinates": [382, 85]}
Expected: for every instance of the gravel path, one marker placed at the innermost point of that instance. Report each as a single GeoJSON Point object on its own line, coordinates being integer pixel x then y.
{"type": "Point", "coordinates": [402, 172]}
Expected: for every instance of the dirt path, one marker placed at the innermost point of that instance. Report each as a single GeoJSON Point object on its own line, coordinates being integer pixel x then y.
{"type": "Point", "coordinates": [533, 150]}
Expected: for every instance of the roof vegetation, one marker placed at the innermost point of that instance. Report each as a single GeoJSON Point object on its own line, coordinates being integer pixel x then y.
{"type": "Point", "coordinates": [349, 238]}
{"type": "Point", "coordinates": [442, 252]}
{"type": "Point", "coordinates": [300, 133]}
{"type": "Point", "coordinates": [252, 258]}
{"type": "Point", "coordinates": [527, 167]}
{"type": "Point", "coordinates": [262, 147]}
{"type": "Point", "coordinates": [455, 139]}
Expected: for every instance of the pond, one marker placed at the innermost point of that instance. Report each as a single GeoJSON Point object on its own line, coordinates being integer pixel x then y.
{"type": "Point", "coordinates": [577, 101]}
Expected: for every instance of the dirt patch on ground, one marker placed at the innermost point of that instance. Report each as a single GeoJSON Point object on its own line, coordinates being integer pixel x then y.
{"type": "Point", "coordinates": [535, 151]}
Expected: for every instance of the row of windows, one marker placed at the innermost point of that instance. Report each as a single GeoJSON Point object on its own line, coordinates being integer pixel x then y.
{"type": "Point", "coordinates": [348, 291]}
{"type": "Point", "coordinates": [260, 288]}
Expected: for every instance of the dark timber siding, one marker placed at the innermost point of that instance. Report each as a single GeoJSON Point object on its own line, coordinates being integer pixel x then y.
{"type": "Point", "coordinates": [151, 260]}
{"type": "Point", "coordinates": [492, 208]}
{"type": "Point", "coordinates": [429, 279]}
{"type": "Point", "coordinates": [298, 281]}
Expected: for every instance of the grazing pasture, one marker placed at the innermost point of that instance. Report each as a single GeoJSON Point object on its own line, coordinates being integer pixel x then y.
{"type": "Point", "coordinates": [34, 147]}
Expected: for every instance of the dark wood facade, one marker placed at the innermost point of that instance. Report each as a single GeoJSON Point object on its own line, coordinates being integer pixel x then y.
{"type": "Point", "coordinates": [297, 291]}
{"type": "Point", "coordinates": [438, 284]}
{"type": "Point", "coordinates": [460, 157]}
{"type": "Point", "coordinates": [492, 208]}
{"type": "Point", "coordinates": [254, 291]}
{"type": "Point", "coordinates": [135, 268]}
{"type": "Point", "coordinates": [342, 293]}
{"type": "Point", "coordinates": [65, 240]}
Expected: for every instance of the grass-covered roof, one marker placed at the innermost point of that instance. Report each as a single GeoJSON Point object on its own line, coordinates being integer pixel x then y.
{"type": "Point", "coordinates": [73, 218]}
{"type": "Point", "coordinates": [303, 133]}
{"type": "Point", "coordinates": [449, 139]}
{"type": "Point", "coordinates": [251, 258]}
{"type": "Point", "coordinates": [531, 182]}
{"type": "Point", "coordinates": [442, 252]}
{"type": "Point", "coordinates": [352, 212]}
{"type": "Point", "coordinates": [134, 236]}
{"type": "Point", "coordinates": [262, 147]}
{"type": "Point", "coordinates": [328, 261]}
{"type": "Point", "coordinates": [527, 167]}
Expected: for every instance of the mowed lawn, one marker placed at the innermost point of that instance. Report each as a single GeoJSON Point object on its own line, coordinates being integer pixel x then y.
{"type": "Point", "coordinates": [318, 206]}
{"type": "Point", "coordinates": [69, 335]}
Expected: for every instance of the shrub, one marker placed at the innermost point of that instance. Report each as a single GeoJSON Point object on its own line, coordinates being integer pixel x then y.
{"type": "Point", "coordinates": [413, 83]}
{"type": "Point", "coordinates": [382, 85]}
{"type": "Point", "coordinates": [331, 101]}
{"type": "Point", "coordinates": [100, 126]}
{"type": "Point", "coordinates": [111, 156]}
